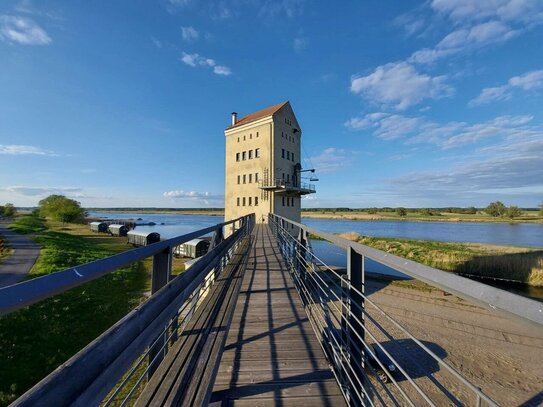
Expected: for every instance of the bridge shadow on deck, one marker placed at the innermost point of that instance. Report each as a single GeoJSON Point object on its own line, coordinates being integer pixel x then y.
{"type": "Point", "coordinates": [272, 355]}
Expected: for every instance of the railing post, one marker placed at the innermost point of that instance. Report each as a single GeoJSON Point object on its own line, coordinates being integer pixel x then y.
{"type": "Point", "coordinates": [162, 270]}
{"type": "Point", "coordinates": [353, 332]}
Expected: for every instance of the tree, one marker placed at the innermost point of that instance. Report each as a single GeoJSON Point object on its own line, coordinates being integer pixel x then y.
{"type": "Point", "coordinates": [401, 211]}
{"type": "Point", "coordinates": [496, 209]}
{"type": "Point", "coordinates": [513, 212]}
{"type": "Point", "coordinates": [9, 210]}
{"type": "Point", "coordinates": [60, 208]}
{"type": "Point", "coordinates": [426, 212]}
{"type": "Point", "coordinates": [471, 210]}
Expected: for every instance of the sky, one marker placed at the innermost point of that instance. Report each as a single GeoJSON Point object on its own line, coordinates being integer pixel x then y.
{"type": "Point", "coordinates": [402, 103]}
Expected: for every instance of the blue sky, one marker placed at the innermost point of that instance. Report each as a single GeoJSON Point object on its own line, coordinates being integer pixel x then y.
{"type": "Point", "coordinates": [401, 103]}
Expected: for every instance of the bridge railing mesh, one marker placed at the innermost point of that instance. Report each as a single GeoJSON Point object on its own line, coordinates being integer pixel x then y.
{"type": "Point", "coordinates": [375, 360]}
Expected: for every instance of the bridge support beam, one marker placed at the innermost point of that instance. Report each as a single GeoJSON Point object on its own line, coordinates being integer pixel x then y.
{"type": "Point", "coordinates": [162, 270]}
{"type": "Point", "coordinates": [352, 325]}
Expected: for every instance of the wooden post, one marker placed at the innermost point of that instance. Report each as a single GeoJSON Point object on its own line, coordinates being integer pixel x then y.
{"type": "Point", "coordinates": [162, 270]}
{"type": "Point", "coordinates": [352, 306]}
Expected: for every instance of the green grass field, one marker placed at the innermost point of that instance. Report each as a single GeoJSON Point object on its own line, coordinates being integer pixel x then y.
{"type": "Point", "coordinates": [28, 224]}
{"type": "Point", "coordinates": [35, 340]}
{"type": "Point", "coordinates": [507, 262]}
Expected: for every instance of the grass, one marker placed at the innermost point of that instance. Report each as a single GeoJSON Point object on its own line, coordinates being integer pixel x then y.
{"type": "Point", "coordinates": [506, 262]}
{"type": "Point", "coordinates": [35, 340]}
{"type": "Point", "coordinates": [6, 251]}
{"type": "Point", "coordinates": [526, 217]}
{"type": "Point", "coordinates": [26, 224]}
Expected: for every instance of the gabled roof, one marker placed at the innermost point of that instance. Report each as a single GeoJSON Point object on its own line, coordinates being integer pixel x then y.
{"type": "Point", "coordinates": [269, 111]}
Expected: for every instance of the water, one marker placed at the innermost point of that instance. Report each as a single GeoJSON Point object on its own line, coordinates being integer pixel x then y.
{"type": "Point", "coordinates": [167, 225]}
{"type": "Point", "coordinates": [511, 234]}
{"type": "Point", "coordinates": [526, 235]}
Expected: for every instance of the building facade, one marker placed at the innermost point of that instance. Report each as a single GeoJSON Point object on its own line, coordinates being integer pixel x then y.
{"type": "Point", "coordinates": [263, 170]}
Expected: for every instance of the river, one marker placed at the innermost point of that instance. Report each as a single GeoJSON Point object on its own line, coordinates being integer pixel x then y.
{"type": "Point", "coordinates": [512, 234]}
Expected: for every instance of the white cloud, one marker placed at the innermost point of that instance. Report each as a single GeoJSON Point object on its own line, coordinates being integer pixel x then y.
{"type": "Point", "coordinates": [222, 70]}
{"type": "Point", "coordinates": [465, 11]}
{"type": "Point", "coordinates": [400, 85]}
{"type": "Point", "coordinates": [189, 33]}
{"type": "Point", "coordinates": [195, 60]}
{"type": "Point", "coordinates": [42, 191]}
{"type": "Point", "coordinates": [23, 31]}
{"type": "Point", "coordinates": [156, 42]}
{"type": "Point", "coordinates": [415, 130]}
{"type": "Point", "coordinates": [204, 197]}
{"type": "Point", "coordinates": [529, 81]}
{"type": "Point", "coordinates": [17, 149]}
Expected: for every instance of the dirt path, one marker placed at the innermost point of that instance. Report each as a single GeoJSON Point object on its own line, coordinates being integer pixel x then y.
{"type": "Point", "coordinates": [501, 356]}
{"type": "Point", "coordinates": [14, 268]}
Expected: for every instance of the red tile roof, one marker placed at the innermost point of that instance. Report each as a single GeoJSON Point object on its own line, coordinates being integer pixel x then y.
{"type": "Point", "coordinates": [269, 111]}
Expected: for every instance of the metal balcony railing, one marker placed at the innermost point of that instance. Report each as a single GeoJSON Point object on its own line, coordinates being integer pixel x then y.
{"type": "Point", "coordinates": [279, 184]}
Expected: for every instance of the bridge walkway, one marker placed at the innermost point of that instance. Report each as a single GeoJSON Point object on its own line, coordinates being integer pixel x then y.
{"type": "Point", "coordinates": [271, 354]}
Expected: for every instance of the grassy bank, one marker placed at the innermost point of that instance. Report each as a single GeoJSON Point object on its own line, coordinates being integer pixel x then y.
{"type": "Point", "coordinates": [26, 224]}
{"type": "Point", "coordinates": [526, 217]}
{"type": "Point", "coordinates": [6, 250]}
{"type": "Point", "coordinates": [35, 340]}
{"type": "Point", "coordinates": [506, 262]}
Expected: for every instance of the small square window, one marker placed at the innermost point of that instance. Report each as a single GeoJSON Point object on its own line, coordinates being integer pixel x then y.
{"type": "Point", "coordinates": [250, 154]}
{"type": "Point", "coordinates": [244, 178]}
{"type": "Point", "coordinates": [257, 152]}
{"type": "Point", "coordinates": [238, 200]}
{"type": "Point", "coordinates": [250, 201]}
{"type": "Point", "coordinates": [237, 156]}
{"type": "Point", "coordinates": [256, 176]}
{"type": "Point", "coordinates": [239, 178]}
{"type": "Point", "coordinates": [250, 178]}
{"type": "Point", "coordinates": [256, 200]}
{"type": "Point", "coordinates": [244, 155]}
{"type": "Point", "coordinates": [243, 201]}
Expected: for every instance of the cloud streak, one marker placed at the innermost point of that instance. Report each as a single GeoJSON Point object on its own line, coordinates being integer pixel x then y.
{"type": "Point", "coordinates": [22, 30]}
{"type": "Point", "coordinates": [400, 85]}
{"type": "Point", "coordinates": [18, 149]}
{"type": "Point", "coordinates": [529, 81]}
{"type": "Point", "coordinates": [196, 60]}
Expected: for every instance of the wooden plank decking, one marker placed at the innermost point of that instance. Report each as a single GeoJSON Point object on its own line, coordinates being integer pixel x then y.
{"type": "Point", "coordinates": [271, 355]}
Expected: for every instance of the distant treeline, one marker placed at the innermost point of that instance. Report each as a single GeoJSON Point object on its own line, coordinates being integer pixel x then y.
{"type": "Point", "coordinates": [150, 209]}
{"type": "Point", "coordinates": [470, 210]}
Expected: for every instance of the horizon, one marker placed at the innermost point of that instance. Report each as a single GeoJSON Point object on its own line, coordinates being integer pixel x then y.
{"type": "Point", "coordinates": [433, 104]}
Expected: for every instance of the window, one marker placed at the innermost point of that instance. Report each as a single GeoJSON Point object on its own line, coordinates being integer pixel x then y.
{"type": "Point", "coordinates": [283, 201]}
{"type": "Point", "coordinates": [282, 135]}
{"type": "Point", "coordinates": [238, 200]}
{"type": "Point", "coordinates": [256, 200]}
{"type": "Point", "coordinates": [244, 155]}
{"type": "Point", "coordinates": [250, 178]}
{"type": "Point", "coordinates": [282, 153]}
{"type": "Point", "coordinates": [288, 155]}
{"type": "Point", "coordinates": [251, 135]}
{"type": "Point", "coordinates": [244, 178]}
{"type": "Point", "coordinates": [292, 156]}
{"type": "Point", "coordinates": [250, 154]}
{"type": "Point", "coordinates": [243, 201]}
{"type": "Point", "coordinates": [283, 178]}
{"type": "Point", "coordinates": [288, 178]}
{"type": "Point", "coordinates": [238, 139]}
{"type": "Point", "coordinates": [257, 133]}
{"type": "Point", "coordinates": [243, 138]}
{"type": "Point", "coordinates": [250, 201]}
{"type": "Point", "coordinates": [239, 176]}
{"type": "Point", "coordinates": [257, 152]}
{"type": "Point", "coordinates": [256, 176]}
{"type": "Point", "coordinates": [237, 156]}
{"type": "Point", "coordinates": [291, 201]}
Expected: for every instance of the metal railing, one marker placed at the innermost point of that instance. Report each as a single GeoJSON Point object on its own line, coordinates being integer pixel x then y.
{"type": "Point", "coordinates": [112, 368]}
{"type": "Point", "coordinates": [280, 183]}
{"type": "Point", "coordinates": [353, 329]}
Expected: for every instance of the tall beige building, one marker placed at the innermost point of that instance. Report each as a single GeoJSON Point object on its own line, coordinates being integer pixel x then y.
{"type": "Point", "coordinates": [263, 171]}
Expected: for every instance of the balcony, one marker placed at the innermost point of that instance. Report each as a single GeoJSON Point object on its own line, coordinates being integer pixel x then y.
{"type": "Point", "coordinates": [280, 186]}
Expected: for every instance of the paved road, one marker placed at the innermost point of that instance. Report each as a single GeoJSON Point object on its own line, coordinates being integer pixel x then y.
{"type": "Point", "coordinates": [18, 265]}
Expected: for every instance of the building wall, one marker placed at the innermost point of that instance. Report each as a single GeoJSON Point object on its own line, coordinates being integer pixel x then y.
{"type": "Point", "coordinates": [271, 136]}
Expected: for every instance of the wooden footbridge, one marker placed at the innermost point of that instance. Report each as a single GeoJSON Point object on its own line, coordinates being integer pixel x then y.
{"type": "Point", "coordinates": [259, 320]}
